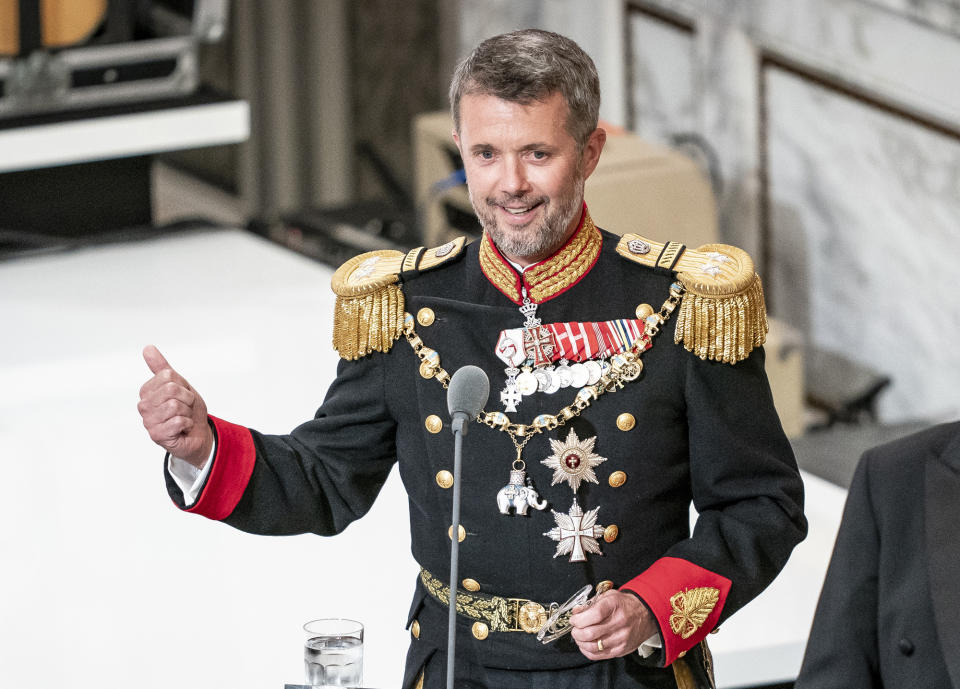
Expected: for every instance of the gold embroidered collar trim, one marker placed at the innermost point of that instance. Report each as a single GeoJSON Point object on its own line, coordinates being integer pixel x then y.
{"type": "Point", "coordinates": [551, 276]}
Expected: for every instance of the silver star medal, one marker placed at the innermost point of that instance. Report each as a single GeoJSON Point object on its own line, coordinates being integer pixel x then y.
{"type": "Point", "coordinates": [576, 533]}
{"type": "Point", "coordinates": [573, 460]}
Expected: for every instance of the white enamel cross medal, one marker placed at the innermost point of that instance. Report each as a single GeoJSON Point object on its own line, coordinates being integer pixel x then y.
{"type": "Point", "coordinates": [510, 396]}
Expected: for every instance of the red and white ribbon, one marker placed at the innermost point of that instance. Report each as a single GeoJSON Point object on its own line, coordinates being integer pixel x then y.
{"type": "Point", "coordinates": [573, 341]}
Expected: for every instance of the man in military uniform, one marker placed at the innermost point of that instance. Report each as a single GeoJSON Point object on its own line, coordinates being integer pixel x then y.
{"type": "Point", "coordinates": [628, 381]}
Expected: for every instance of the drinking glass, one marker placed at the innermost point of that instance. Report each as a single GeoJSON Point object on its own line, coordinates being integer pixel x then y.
{"type": "Point", "coordinates": [333, 652]}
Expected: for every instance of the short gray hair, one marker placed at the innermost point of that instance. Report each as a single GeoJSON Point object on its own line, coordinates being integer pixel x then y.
{"type": "Point", "coordinates": [531, 65]}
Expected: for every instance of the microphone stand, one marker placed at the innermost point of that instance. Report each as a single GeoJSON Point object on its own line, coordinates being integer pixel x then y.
{"type": "Point", "coordinates": [460, 421]}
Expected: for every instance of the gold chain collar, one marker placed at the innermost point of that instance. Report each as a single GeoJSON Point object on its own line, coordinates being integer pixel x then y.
{"type": "Point", "coordinates": [551, 276]}
{"type": "Point", "coordinates": [624, 368]}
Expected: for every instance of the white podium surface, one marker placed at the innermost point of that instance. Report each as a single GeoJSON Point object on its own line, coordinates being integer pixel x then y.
{"type": "Point", "coordinates": [107, 584]}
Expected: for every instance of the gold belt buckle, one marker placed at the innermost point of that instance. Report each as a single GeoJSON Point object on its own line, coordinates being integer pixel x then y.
{"type": "Point", "coordinates": [529, 616]}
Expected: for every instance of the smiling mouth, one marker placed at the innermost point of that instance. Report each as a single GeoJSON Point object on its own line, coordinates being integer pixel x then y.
{"type": "Point", "coordinates": [520, 210]}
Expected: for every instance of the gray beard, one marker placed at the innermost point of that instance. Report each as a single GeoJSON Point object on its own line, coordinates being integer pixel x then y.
{"type": "Point", "coordinates": [539, 241]}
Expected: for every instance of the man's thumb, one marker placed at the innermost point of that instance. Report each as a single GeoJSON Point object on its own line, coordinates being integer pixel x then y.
{"type": "Point", "coordinates": [154, 359]}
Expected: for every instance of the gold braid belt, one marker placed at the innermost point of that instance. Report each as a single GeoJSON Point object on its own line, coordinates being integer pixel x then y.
{"type": "Point", "coordinates": [500, 614]}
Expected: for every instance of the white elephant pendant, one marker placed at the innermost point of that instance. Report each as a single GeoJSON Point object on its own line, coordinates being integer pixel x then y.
{"type": "Point", "coordinates": [519, 493]}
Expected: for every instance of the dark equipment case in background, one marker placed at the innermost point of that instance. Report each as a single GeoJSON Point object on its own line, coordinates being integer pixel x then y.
{"type": "Point", "coordinates": [127, 50]}
{"type": "Point", "coordinates": [86, 60]}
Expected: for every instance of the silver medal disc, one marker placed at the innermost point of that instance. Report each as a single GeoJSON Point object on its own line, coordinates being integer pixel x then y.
{"type": "Point", "coordinates": [554, 382]}
{"type": "Point", "coordinates": [527, 383]}
{"type": "Point", "coordinates": [594, 372]}
{"type": "Point", "coordinates": [579, 375]}
{"type": "Point", "coordinates": [543, 379]}
{"type": "Point", "coordinates": [563, 373]}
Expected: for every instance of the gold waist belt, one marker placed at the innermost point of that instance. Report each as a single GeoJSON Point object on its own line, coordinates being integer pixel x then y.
{"type": "Point", "coordinates": [498, 613]}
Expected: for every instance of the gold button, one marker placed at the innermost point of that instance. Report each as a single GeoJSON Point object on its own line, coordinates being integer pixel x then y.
{"type": "Point", "coordinates": [480, 631]}
{"type": "Point", "coordinates": [604, 586]}
{"type": "Point", "coordinates": [433, 423]}
{"type": "Point", "coordinates": [610, 533]}
{"type": "Point", "coordinates": [626, 422]}
{"type": "Point", "coordinates": [425, 317]}
{"type": "Point", "coordinates": [444, 479]}
{"type": "Point", "coordinates": [617, 479]}
{"type": "Point", "coordinates": [415, 629]}
{"type": "Point", "coordinates": [461, 533]}
{"type": "Point", "coordinates": [644, 310]}
{"type": "Point", "coordinates": [471, 584]}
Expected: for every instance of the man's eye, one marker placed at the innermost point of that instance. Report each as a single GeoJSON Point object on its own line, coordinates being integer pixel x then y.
{"type": "Point", "coordinates": [486, 155]}
{"type": "Point", "coordinates": [539, 155]}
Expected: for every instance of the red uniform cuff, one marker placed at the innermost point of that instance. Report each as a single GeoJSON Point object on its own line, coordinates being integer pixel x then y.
{"type": "Point", "coordinates": [230, 473]}
{"type": "Point", "coordinates": [685, 599]}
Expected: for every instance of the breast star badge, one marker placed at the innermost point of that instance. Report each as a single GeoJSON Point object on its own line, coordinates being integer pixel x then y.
{"type": "Point", "coordinates": [573, 460]}
{"type": "Point", "coordinates": [576, 532]}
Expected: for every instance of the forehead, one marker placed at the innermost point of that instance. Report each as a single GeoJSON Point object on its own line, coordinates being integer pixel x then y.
{"type": "Point", "coordinates": [486, 119]}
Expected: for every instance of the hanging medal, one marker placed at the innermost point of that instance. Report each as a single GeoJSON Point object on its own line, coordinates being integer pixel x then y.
{"type": "Point", "coordinates": [510, 395]}
{"type": "Point", "coordinates": [519, 493]}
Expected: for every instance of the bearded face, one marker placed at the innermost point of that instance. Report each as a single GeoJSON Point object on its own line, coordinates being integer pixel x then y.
{"type": "Point", "coordinates": [541, 235]}
{"type": "Point", "coordinates": [525, 172]}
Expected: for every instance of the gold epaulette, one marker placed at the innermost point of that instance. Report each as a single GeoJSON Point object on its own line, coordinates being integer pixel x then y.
{"type": "Point", "coordinates": [722, 316]}
{"type": "Point", "coordinates": [368, 316]}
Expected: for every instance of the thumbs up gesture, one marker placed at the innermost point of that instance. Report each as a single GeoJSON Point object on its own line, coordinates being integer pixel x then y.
{"type": "Point", "coordinates": [173, 413]}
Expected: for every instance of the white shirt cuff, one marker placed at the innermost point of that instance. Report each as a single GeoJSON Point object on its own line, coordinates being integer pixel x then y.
{"type": "Point", "coordinates": [650, 646]}
{"type": "Point", "coordinates": [189, 479]}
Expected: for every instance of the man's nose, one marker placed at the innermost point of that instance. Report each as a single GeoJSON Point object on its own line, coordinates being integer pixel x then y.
{"type": "Point", "coordinates": [514, 180]}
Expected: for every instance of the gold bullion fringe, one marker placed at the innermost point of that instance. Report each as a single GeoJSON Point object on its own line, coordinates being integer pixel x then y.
{"type": "Point", "coordinates": [368, 323]}
{"type": "Point", "coordinates": [723, 328]}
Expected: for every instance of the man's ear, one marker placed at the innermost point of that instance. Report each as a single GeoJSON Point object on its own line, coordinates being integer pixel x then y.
{"type": "Point", "coordinates": [592, 151]}
{"type": "Point", "coordinates": [456, 140]}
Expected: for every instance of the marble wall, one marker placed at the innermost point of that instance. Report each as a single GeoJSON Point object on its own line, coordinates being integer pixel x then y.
{"type": "Point", "coordinates": [864, 225]}
{"type": "Point", "coordinates": [943, 14]}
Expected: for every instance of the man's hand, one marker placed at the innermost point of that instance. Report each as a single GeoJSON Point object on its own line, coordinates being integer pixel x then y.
{"type": "Point", "coordinates": [618, 620]}
{"type": "Point", "coordinates": [173, 413]}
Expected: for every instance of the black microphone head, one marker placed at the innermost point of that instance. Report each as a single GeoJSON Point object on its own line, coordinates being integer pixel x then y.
{"type": "Point", "coordinates": [468, 391]}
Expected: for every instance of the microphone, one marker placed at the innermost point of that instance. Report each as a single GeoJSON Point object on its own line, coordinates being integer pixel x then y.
{"type": "Point", "coordinates": [468, 392]}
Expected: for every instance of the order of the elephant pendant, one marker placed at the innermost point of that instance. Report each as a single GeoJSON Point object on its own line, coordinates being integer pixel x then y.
{"type": "Point", "coordinates": [519, 493]}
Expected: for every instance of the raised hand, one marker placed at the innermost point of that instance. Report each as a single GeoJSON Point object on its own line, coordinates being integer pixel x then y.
{"type": "Point", "coordinates": [173, 413]}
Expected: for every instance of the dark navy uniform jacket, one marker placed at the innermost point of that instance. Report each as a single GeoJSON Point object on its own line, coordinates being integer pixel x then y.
{"type": "Point", "coordinates": [706, 432]}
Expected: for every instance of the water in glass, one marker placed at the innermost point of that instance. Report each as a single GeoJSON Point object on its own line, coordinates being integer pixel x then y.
{"type": "Point", "coordinates": [334, 661]}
